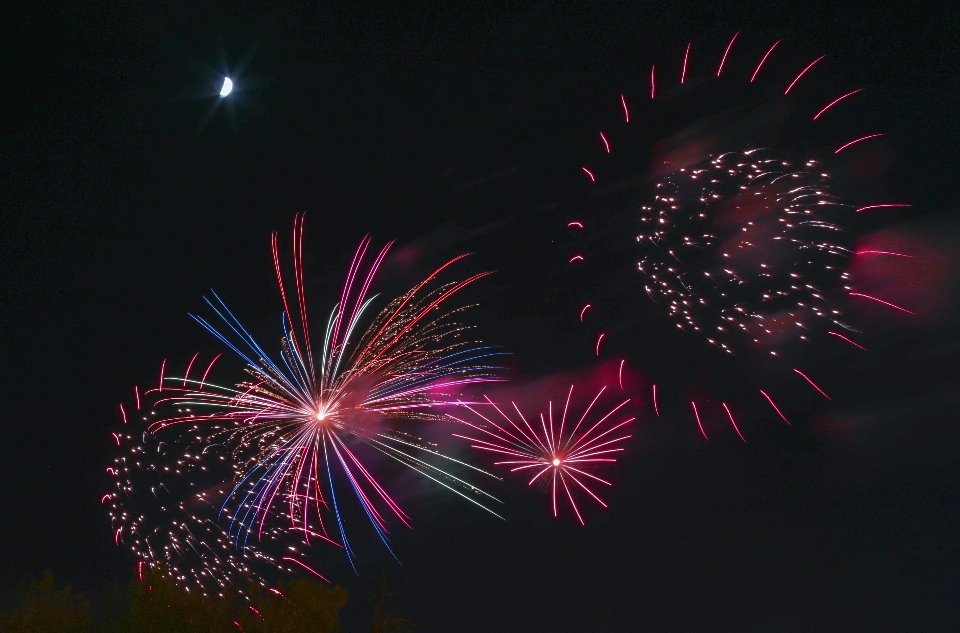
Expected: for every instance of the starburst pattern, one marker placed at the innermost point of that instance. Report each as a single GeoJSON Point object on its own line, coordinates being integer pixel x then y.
{"type": "Point", "coordinates": [559, 454]}
{"type": "Point", "coordinates": [294, 433]}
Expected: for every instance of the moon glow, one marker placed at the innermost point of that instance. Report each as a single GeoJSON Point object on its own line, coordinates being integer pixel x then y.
{"type": "Point", "coordinates": [227, 87]}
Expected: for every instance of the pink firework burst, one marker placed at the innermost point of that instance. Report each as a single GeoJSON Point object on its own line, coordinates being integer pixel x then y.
{"type": "Point", "coordinates": [743, 236]}
{"type": "Point", "coordinates": [556, 451]}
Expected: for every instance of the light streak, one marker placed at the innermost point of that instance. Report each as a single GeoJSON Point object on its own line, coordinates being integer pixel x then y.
{"type": "Point", "coordinates": [655, 408]}
{"type": "Point", "coordinates": [683, 73]}
{"type": "Point", "coordinates": [802, 73]}
{"type": "Point", "coordinates": [653, 82]}
{"type": "Point", "coordinates": [813, 384]}
{"type": "Point", "coordinates": [834, 102]}
{"type": "Point", "coordinates": [620, 374]}
{"type": "Point", "coordinates": [589, 174]}
{"type": "Point", "coordinates": [584, 311]}
{"type": "Point", "coordinates": [207, 372]}
{"type": "Point", "coordinates": [882, 253]}
{"type": "Point", "coordinates": [696, 414]}
{"type": "Point", "coordinates": [847, 340]}
{"type": "Point", "coordinates": [881, 206]}
{"type": "Point", "coordinates": [886, 303]}
{"type": "Point", "coordinates": [576, 258]}
{"type": "Point", "coordinates": [606, 143]}
{"type": "Point", "coordinates": [186, 374]}
{"type": "Point", "coordinates": [599, 340]}
{"type": "Point", "coordinates": [854, 141]}
{"type": "Point", "coordinates": [775, 408]}
{"type": "Point", "coordinates": [626, 112]}
{"type": "Point", "coordinates": [760, 65]}
{"type": "Point", "coordinates": [732, 421]}
{"type": "Point", "coordinates": [307, 567]}
{"type": "Point", "coordinates": [727, 52]}
{"type": "Point", "coordinates": [575, 223]}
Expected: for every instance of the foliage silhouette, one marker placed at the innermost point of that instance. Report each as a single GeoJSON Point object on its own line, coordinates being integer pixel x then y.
{"type": "Point", "coordinates": [42, 608]}
{"type": "Point", "coordinates": [156, 604]}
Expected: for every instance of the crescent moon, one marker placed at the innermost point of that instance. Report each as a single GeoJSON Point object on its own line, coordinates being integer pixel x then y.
{"type": "Point", "coordinates": [227, 87]}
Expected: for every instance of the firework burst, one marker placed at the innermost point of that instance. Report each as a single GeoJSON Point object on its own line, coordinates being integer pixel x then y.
{"type": "Point", "coordinates": [164, 503]}
{"type": "Point", "coordinates": [747, 249]}
{"type": "Point", "coordinates": [558, 453]}
{"type": "Point", "coordinates": [295, 432]}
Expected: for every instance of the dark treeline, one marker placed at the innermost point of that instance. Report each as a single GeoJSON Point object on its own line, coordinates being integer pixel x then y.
{"type": "Point", "coordinates": [156, 604]}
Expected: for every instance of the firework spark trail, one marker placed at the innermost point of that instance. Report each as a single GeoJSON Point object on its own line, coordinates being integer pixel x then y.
{"type": "Point", "coordinates": [550, 447]}
{"type": "Point", "coordinates": [732, 421]}
{"type": "Point", "coordinates": [812, 384]}
{"type": "Point", "coordinates": [725, 53]}
{"type": "Point", "coordinates": [854, 141]}
{"type": "Point", "coordinates": [775, 408]}
{"type": "Point", "coordinates": [886, 303]}
{"type": "Point", "coordinates": [881, 206]}
{"type": "Point", "coordinates": [882, 253]}
{"type": "Point", "coordinates": [696, 414]}
{"type": "Point", "coordinates": [762, 61]}
{"type": "Point", "coordinates": [835, 102]}
{"type": "Point", "coordinates": [293, 420]}
{"type": "Point", "coordinates": [838, 335]}
{"type": "Point", "coordinates": [802, 73]}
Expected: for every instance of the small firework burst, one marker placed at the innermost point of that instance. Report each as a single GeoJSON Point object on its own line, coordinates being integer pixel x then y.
{"type": "Point", "coordinates": [557, 451]}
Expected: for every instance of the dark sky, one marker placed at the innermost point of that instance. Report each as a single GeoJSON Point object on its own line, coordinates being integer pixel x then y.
{"type": "Point", "coordinates": [461, 128]}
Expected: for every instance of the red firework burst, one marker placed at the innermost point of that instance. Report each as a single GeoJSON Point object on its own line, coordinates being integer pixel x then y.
{"type": "Point", "coordinates": [558, 454]}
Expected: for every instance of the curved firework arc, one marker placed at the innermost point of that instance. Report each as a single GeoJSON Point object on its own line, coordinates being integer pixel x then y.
{"type": "Point", "coordinates": [295, 431]}
{"type": "Point", "coordinates": [722, 268]}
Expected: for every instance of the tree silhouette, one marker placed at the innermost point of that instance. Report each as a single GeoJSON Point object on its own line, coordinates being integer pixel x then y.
{"type": "Point", "coordinates": [41, 608]}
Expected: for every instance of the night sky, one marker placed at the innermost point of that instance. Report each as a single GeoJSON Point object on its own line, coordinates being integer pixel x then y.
{"type": "Point", "coordinates": [452, 130]}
